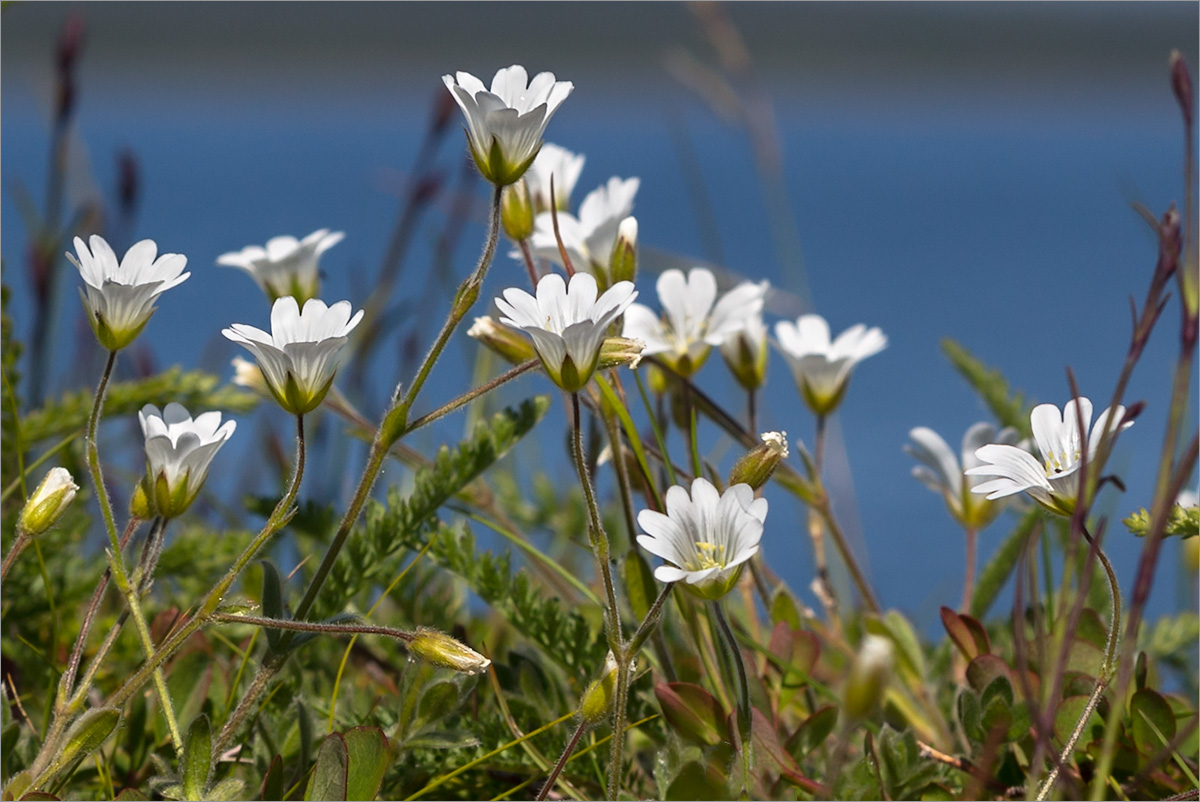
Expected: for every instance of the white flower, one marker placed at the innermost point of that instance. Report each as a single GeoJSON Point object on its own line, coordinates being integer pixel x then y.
{"type": "Point", "coordinates": [48, 502]}
{"type": "Point", "coordinates": [821, 367]}
{"type": "Point", "coordinates": [1053, 483]}
{"type": "Point", "coordinates": [564, 166]}
{"type": "Point", "coordinates": [705, 536]}
{"type": "Point", "coordinates": [286, 266]}
{"type": "Point", "coordinates": [568, 323]}
{"type": "Point", "coordinates": [178, 453]}
{"type": "Point", "coordinates": [941, 472]}
{"type": "Point", "coordinates": [505, 126]}
{"type": "Point", "coordinates": [588, 238]}
{"type": "Point", "coordinates": [692, 324]}
{"type": "Point", "coordinates": [300, 355]}
{"type": "Point", "coordinates": [120, 297]}
{"type": "Point", "coordinates": [745, 352]}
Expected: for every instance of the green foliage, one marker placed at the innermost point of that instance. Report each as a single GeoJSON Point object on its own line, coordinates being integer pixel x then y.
{"type": "Point", "coordinates": [391, 526]}
{"type": "Point", "coordinates": [195, 389]}
{"type": "Point", "coordinates": [1181, 521]}
{"type": "Point", "coordinates": [10, 352]}
{"type": "Point", "coordinates": [1009, 407]}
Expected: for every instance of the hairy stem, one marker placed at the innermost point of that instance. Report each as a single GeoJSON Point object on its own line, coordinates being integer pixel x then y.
{"type": "Point", "coordinates": [18, 546]}
{"type": "Point", "coordinates": [562, 761]}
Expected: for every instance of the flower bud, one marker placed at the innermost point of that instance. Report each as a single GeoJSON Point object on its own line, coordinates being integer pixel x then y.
{"type": "Point", "coordinates": [516, 212]}
{"type": "Point", "coordinates": [446, 652]}
{"type": "Point", "coordinates": [1191, 554]}
{"type": "Point", "coordinates": [746, 355]}
{"type": "Point", "coordinates": [141, 505]}
{"type": "Point", "coordinates": [506, 341]}
{"type": "Point", "coordinates": [249, 375]}
{"type": "Point", "coordinates": [597, 699]}
{"type": "Point", "coordinates": [618, 351]}
{"type": "Point", "coordinates": [870, 672]}
{"type": "Point", "coordinates": [622, 264]}
{"type": "Point", "coordinates": [757, 466]}
{"type": "Point", "coordinates": [48, 502]}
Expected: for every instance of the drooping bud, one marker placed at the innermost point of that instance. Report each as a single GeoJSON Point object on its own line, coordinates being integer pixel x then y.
{"type": "Point", "coordinates": [870, 672]}
{"type": "Point", "coordinates": [516, 211]}
{"type": "Point", "coordinates": [1181, 85]}
{"type": "Point", "coordinates": [48, 502]}
{"type": "Point", "coordinates": [506, 341]}
{"type": "Point", "coordinates": [757, 466]}
{"type": "Point", "coordinates": [442, 650]}
{"type": "Point", "coordinates": [597, 699]}
{"type": "Point", "coordinates": [622, 264]}
{"type": "Point", "coordinates": [618, 351]}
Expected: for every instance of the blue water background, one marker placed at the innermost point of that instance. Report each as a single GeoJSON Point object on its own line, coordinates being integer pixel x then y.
{"type": "Point", "coordinates": [953, 170]}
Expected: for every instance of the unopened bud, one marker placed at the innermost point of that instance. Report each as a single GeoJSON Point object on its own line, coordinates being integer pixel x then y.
{"type": "Point", "coordinates": [870, 672]}
{"type": "Point", "coordinates": [618, 351]}
{"type": "Point", "coordinates": [622, 264]}
{"type": "Point", "coordinates": [444, 651]}
{"type": "Point", "coordinates": [597, 699]}
{"type": "Point", "coordinates": [48, 502]}
{"type": "Point", "coordinates": [746, 355]}
{"type": "Point", "coordinates": [141, 506]}
{"type": "Point", "coordinates": [516, 212]}
{"type": "Point", "coordinates": [511, 345]}
{"type": "Point", "coordinates": [249, 375]}
{"type": "Point", "coordinates": [1181, 84]}
{"type": "Point", "coordinates": [756, 467]}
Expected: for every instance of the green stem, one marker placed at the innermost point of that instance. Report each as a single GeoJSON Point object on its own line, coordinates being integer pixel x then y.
{"type": "Point", "coordinates": [562, 761]}
{"type": "Point", "coordinates": [1107, 669]}
{"type": "Point", "coordinates": [693, 439]}
{"type": "Point", "coordinates": [470, 396]}
{"type": "Point", "coordinates": [654, 427]}
{"type": "Point", "coordinates": [744, 716]}
{"type": "Point", "coordinates": [651, 619]}
{"type": "Point", "coordinates": [969, 578]}
{"type": "Point", "coordinates": [18, 546]}
{"type": "Point", "coordinates": [597, 535]}
{"type": "Point", "coordinates": [314, 626]}
{"type": "Point", "coordinates": [133, 600]}
{"type": "Point", "coordinates": [93, 459]}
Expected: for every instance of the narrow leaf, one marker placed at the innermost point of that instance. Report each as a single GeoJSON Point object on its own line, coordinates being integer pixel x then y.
{"type": "Point", "coordinates": [329, 777]}
{"type": "Point", "coordinates": [196, 763]}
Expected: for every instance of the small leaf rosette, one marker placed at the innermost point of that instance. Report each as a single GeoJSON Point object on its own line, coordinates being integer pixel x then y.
{"type": "Point", "coordinates": [705, 536]}
{"type": "Point", "coordinates": [822, 366]}
{"type": "Point", "coordinates": [1054, 482]}
{"type": "Point", "coordinates": [300, 355]}
{"type": "Point", "coordinates": [505, 125]}
{"type": "Point", "coordinates": [286, 265]}
{"type": "Point", "coordinates": [179, 450]}
{"type": "Point", "coordinates": [568, 323]}
{"type": "Point", "coordinates": [694, 320]}
{"type": "Point", "coordinates": [120, 296]}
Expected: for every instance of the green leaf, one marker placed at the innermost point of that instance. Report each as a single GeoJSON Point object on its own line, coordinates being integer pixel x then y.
{"type": "Point", "coordinates": [130, 795]}
{"type": "Point", "coordinates": [999, 568]}
{"type": "Point", "coordinates": [896, 628]}
{"type": "Point", "coordinates": [639, 584]}
{"type": "Point", "coordinates": [1009, 407]}
{"type": "Point", "coordinates": [970, 715]}
{"type": "Point", "coordinates": [968, 634]}
{"type": "Point", "coordinates": [272, 784]}
{"type": "Point", "coordinates": [272, 600]}
{"type": "Point", "coordinates": [783, 608]}
{"type": "Point", "coordinates": [984, 669]}
{"type": "Point", "coordinates": [329, 778]}
{"type": "Point", "coordinates": [812, 732]}
{"type": "Point", "coordinates": [370, 755]}
{"type": "Point", "coordinates": [696, 781]}
{"type": "Point", "coordinates": [693, 713]}
{"type": "Point", "coordinates": [1153, 721]}
{"type": "Point", "coordinates": [196, 763]}
{"type": "Point", "coordinates": [88, 733]}
{"type": "Point", "coordinates": [226, 790]}
{"type": "Point", "coordinates": [1067, 716]}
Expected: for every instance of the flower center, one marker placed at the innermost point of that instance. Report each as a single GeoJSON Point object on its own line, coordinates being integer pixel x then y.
{"type": "Point", "coordinates": [1057, 463]}
{"type": "Point", "coordinates": [708, 555]}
